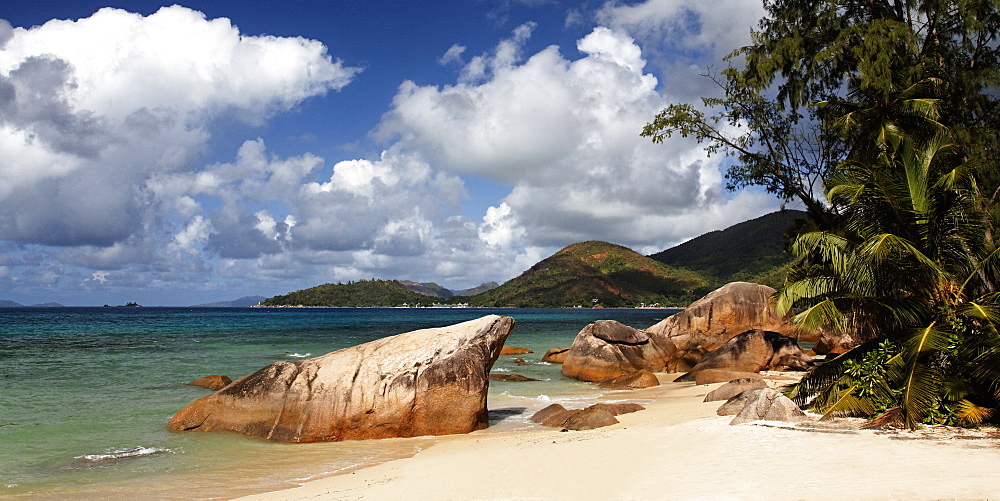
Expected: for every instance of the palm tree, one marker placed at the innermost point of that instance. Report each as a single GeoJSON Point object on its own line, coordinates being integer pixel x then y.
{"type": "Point", "coordinates": [911, 273]}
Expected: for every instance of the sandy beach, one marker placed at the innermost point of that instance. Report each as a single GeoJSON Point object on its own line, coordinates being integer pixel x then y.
{"type": "Point", "coordinates": [679, 449]}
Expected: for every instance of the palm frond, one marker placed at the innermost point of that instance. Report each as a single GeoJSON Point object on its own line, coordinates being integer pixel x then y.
{"type": "Point", "coordinates": [819, 315]}
{"type": "Point", "coordinates": [970, 414]}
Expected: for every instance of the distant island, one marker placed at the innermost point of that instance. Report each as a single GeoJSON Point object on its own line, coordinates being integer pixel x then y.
{"type": "Point", "coordinates": [593, 274]}
{"type": "Point", "coordinates": [243, 302]}
{"type": "Point", "coordinates": [6, 303]}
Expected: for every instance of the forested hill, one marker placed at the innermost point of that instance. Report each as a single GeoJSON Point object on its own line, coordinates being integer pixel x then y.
{"type": "Point", "coordinates": [362, 294]}
{"type": "Point", "coordinates": [612, 275]}
{"type": "Point", "coordinates": [752, 251]}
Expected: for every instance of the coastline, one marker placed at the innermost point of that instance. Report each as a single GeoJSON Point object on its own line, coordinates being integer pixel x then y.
{"type": "Point", "coordinates": [675, 449]}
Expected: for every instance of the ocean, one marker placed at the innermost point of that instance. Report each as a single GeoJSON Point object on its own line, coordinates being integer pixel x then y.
{"type": "Point", "coordinates": [85, 393]}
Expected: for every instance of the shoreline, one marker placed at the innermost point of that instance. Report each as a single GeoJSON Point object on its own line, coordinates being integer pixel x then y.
{"type": "Point", "coordinates": [677, 448]}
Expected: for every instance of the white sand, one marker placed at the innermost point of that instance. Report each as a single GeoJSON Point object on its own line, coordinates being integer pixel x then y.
{"type": "Point", "coordinates": [675, 449]}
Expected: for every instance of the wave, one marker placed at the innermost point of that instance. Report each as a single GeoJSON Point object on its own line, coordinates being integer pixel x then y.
{"type": "Point", "coordinates": [298, 355]}
{"type": "Point", "coordinates": [124, 453]}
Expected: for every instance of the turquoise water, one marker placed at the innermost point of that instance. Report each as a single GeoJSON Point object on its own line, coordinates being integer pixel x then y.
{"type": "Point", "coordinates": [85, 393]}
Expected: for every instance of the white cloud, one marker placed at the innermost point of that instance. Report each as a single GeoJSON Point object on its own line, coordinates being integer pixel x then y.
{"type": "Point", "coordinates": [93, 111]}
{"type": "Point", "coordinates": [107, 118]}
{"type": "Point", "coordinates": [453, 55]}
{"type": "Point", "coordinates": [685, 37]}
{"type": "Point", "coordinates": [500, 227]}
{"type": "Point", "coordinates": [565, 134]}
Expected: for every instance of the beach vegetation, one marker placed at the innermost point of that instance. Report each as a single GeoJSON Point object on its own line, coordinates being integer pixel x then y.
{"type": "Point", "coordinates": [360, 294]}
{"type": "Point", "coordinates": [881, 119]}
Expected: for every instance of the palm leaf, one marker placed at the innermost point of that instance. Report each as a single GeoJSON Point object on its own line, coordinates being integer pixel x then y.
{"type": "Point", "coordinates": [970, 414]}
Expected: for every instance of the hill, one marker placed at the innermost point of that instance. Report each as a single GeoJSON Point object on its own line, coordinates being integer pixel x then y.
{"type": "Point", "coordinates": [488, 286]}
{"type": "Point", "coordinates": [7, 303]}
{"type": "Point", "coordinates": [429, 289]}
{"type": "Point", "coordinates": [434, 290]}
{"type": "Point", "coordinates": [243, 302]}
{"type": "Point", "coordinates": [365, 293]}
{"type": "Point", "coordinates": [612, 275]}
{"type": "Point", "coordinates": [752, 251]}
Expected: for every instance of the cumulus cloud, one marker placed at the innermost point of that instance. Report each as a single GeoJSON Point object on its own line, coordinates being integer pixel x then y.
{"type": "Point", "coordinates": [92, 110]}
{"type": "Point", "coordinates": [685, 37]}
{"type": "Point", "coordinates": [565, 135]}
{"type": "Point", "coordinates": [108, 118]}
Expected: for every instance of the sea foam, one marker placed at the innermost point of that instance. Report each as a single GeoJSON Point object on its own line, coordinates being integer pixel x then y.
{"type": "Point", "coordinates": [124, 453]}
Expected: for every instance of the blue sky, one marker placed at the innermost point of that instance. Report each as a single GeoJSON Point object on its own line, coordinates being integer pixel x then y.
{"type": "Point", "coordinates": [174, 154]}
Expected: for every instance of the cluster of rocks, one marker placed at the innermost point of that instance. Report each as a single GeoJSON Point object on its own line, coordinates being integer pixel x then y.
{"type": "Point", "coordinates": [434, 381]}
{"type": "Point", "coordinates": [595, 416]}
{"type": "Point", "coordinates": [732, 332]}
{"type": "Point", "coordinates": [752, 400]}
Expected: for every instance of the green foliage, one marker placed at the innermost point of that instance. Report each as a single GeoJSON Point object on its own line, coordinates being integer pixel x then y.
{"type": "Point", "coordinates": [615, 276]}
{"type": "Point", "coordinates": [365, 293]}
{"type": "Point", "coordinates": [889, 107]}
{"type": "Point", "coordinates": [912, 268]}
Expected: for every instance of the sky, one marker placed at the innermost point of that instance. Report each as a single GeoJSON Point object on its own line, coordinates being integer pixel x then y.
{"type": "Point", "coordinates": [178, 154]}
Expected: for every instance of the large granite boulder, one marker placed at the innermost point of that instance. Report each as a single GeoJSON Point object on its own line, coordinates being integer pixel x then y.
{"type": "Point", "coordinates": [425, 382]}
{"type": "Point", "coordinates": [607, 349]}
{"type": "Point", "coordinates": [714, 319]}
{"type": "Point", "coordinates": [753, 351]}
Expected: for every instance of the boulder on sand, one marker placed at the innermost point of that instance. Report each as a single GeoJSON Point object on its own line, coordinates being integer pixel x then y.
{"type": "Point", "coordinates": [618, 409]}
{"type": "Point", "coordinates": [767, 404]}
{"type": "Point", "coordinates": [733, 388]}
{"type": "Point", "coordinates": [736, 403]}
{"type": "Point", "coordinates": [753, 351]}
{"type": "Point", "coordinates": [425, 382]}
{"type": "Point", "coordinates": [639, 379]}
{"type": "Point", "coordinates": [595, 416]}
{"type": "Point", "coordinates": [714, 319]}
{"type": "Point", "coordinates": [607, 349]}
{"type": "Point", "coordinates": [712, 376]}
{"type": "Point", "coordinates": [213, 382]}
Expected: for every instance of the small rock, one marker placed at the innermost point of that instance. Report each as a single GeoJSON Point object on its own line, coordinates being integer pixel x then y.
{"type": "Point", "coordinates": [555, 355]}
{"type": "Point", "coordinates": [212, 382]}
{"type": "Point", "coordinates": [618, 409]}
{"type": "Point", "coordinates": [589, 418]}
{"type": "Point", "coordinates": [632, 381]}
{"type": "Point", "coordinates": [511, 377]}
{"type": "Point", "coordinates": [553, 415]}
{"type": "Point", "coordinates": [514, 350]}
{"type": "Point", "coordinates": [520, 361]}
{"type": "Point", "coordinates": [710, 376]}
